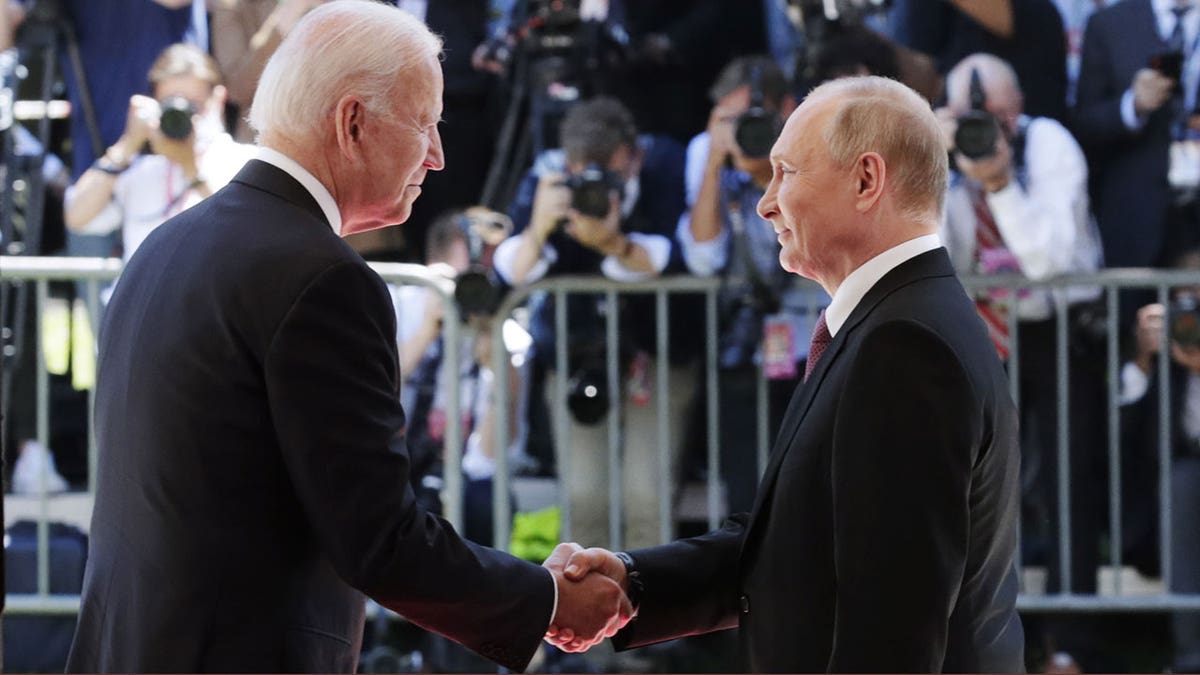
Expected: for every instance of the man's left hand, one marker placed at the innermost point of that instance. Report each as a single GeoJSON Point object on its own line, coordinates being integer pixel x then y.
{"type": "Point", "coordinates": [993, 172]}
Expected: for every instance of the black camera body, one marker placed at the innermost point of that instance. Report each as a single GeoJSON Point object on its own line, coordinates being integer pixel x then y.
{"type": "Point", "coordinates": [477, 290]}
{"type": "Point", "coordinates": [590, 190]}
{"type": "Point", "coordinates": [175, 119]}
{"type": "Point", "coordinates": [978, 130]}
{"type": "Point", "coordinates": [1183, 321]}
{"type": "Point", "coordinates": [756, 129]}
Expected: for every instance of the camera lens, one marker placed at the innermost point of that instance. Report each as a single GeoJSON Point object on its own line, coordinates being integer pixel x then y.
{"type": "Point", "coordinates": [976, 135]}
{"type": "Point", "coordinates": [590, 190]}
{"type": "Point", "coordinates": [755, 132]}
{"type": "Point", "coordinates": [176, 119]}
{"type": "Point", "coordinates": [475, 292]}
{"type": "Point", "coordinates": [587, 396]}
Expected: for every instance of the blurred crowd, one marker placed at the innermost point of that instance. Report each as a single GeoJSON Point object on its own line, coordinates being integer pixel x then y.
{"type": "Point", "coordinates": [630, 141]}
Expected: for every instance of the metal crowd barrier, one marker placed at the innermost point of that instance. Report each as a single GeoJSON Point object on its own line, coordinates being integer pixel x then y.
{"type": "Point", "coordinates": [17, 271]}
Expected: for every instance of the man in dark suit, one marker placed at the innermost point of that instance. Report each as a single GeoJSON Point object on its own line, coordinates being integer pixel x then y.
{"type": "Point", "coordinates": [247, 498]}
{"type": "Point", "coordinates": [883, 536]}
{"type": "Point", "coordinates": [1124, 113]}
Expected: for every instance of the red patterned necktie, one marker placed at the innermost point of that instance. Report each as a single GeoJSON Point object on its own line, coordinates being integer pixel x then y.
{"type": "Point", "coordinates": [992, 308]}
{"type": "Point", "coordinates": [820, 340]}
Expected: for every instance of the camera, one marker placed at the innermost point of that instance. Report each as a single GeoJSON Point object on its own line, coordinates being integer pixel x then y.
{"type": "Point", "coordinates": [590, 190]}
{"type": "Point", "coordinates": [1183, 321]}
{"type": "Point", "coordinates": [476, 289]}
{"type": "Point", "coordinates": [978, 130]}
{"type": "Point", "coordinates": [175, 120]}
{"type": "Point", "coordinates": [756, 129]}
{"type": "Point", "coordinates": [1168, 64]}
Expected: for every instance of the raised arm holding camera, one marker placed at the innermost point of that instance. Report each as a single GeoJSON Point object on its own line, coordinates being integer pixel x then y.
{"type": "Point", "coordinates": [1141, 470]}
{"type": "Point", "coordinates": [192, 155]}
{"type": "Point", "coordinates": [605, 204]}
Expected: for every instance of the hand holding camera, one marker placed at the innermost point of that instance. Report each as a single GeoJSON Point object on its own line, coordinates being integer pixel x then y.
{"type": "Point", "coordinates": [551, 204]}
{"type": "Point", "coordinates": [1181, 321]}
{"type": "Point", "coordinates": [600, 234]}
{"type": "Point", "coordinates": [1151, 90]}
{"type": "Point", "coordinates": [994, 171]}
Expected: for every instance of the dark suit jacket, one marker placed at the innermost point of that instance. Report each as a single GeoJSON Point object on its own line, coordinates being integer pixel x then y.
{"type": "Point", "coordinates": [247, 498]}
{"type": "Point", "coordinates": [884, 533]}
{"type": "Point", "coordinates": [1130, 193]}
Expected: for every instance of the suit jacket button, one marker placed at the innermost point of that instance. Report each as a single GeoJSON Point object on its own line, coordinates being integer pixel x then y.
{"type": "Point", "coordinates": [745, 600]}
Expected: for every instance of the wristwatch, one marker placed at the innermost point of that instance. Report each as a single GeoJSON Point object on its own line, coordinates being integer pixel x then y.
{"type": "Point", "coordinates": [108, 166]}
{"type": "Point", "coordinates": [633, 579]}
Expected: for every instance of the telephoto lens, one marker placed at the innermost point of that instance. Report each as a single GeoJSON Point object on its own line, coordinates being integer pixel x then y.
{"type": "Point", "coordinates": [176, 119]}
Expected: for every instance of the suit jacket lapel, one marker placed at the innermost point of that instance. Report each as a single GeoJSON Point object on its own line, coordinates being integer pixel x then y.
{"type": "Point", "coordinates": [930, 264]}
{"type": "Point", "coordinates": [270, 178]}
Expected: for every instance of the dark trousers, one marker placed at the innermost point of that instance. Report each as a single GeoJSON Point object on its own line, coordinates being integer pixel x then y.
{"type": "Point", "coordinates": [1185, 558]}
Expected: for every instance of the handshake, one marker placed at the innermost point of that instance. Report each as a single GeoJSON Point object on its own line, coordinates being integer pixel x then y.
{"type": "Point", "coordinates": [593, 600]}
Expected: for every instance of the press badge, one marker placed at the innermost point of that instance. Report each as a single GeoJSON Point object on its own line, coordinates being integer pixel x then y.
{"type": "Point", "coordinates": [779, 347]}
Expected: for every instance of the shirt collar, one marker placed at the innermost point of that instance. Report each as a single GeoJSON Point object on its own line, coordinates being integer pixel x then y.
{"type": "Point", "coordinates": [852, 290]}
{"type": "Point", "coordinates": [1166, 17]}
{"type": "Point", "coordinates": [318, 191]}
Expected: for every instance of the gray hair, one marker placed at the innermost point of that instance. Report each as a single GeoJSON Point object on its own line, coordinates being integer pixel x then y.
{"type": "Point", "coordinates": [884, 116]}
{"type": "Point", "coordinates": [998, 78]}
{"type": "Point", "coordinates": [339, 48]}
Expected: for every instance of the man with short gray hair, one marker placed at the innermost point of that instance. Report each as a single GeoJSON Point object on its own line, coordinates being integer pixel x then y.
{"type": "Point", "coordinates": [883, 536]}
{"type": "Point", "coordinates": [247, 501]}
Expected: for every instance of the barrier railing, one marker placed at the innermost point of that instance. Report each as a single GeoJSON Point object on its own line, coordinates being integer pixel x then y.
{"type": "Point", "coordinates": [18, 272]}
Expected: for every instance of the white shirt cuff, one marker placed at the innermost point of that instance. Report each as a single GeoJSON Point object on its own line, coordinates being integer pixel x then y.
{"type": "Point", "coordinates": [657, 247]}
{"type": "Point", "coordinates": [703, 258]}
{"type": "Point", "coordinates": [1134, 383]}
{"type": "Point", "coordinates": [554, 608]}
{"type": "Point", "coordinates": [506, 253]}
{"type": "Point", "coordinates": [1129, 114]}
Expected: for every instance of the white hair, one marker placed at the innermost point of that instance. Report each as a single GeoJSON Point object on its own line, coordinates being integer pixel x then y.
{"type": "Point", "coordinates": [344, 47]}
{"type": "Point", "coordinates": [876, 114]}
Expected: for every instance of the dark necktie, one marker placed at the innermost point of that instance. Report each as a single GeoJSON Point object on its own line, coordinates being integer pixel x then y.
{"type": "Point", "coordinates": [820, 340]}
{"type": "Point", "coordinates": [1175, 42]}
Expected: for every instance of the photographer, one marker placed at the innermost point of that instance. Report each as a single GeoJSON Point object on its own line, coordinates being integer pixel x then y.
{"type": "Point", "coordinates": [193, 156]}
{"type": "Point", "coordinates": [1018, 203]}
{"type": "Point", "coordinates": [723, 234]}
{"type": "Point", "coordinates": [605, 204]}
{"type": "Point", "coordinates": [1140, 426]}
{"type": "Point", "coordinates": [426, 383]}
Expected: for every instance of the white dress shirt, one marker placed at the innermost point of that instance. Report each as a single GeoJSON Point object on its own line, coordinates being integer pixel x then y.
{"type": "Point", "coordinates": [318, 191]}
{"type": "Point", "coordinates": [154, 189]}
{"type": "Point", "coordinates": [1046, 223]}
{"type": "Point", "coordinates": [855, 286]}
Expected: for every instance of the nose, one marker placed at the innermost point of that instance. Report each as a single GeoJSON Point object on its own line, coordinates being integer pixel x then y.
{"type": "Point", "coordinates": [768, 206]}
{"type": "Point", "coordinates": [435, 158]}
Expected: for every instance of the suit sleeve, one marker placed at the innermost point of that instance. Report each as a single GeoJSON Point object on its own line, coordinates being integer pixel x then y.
{"type": "Point", "coordinates": [691, 587]}
{"type": "Point", "coordinates": [900, 470]}
{"type": "Point", "coordinates": [1097, 115]}
{"type": "Point", "coordinates": [332, 382]}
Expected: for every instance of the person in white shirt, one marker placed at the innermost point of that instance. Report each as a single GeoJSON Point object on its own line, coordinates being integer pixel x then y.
{"type": "Point", "coordinates": [136, 193]}
{"type": "Point", "coordinates": [1023, 208]}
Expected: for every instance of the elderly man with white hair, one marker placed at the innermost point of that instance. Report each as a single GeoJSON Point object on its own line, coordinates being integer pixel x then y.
{"type": "Point", "coordinates": [247, 501]}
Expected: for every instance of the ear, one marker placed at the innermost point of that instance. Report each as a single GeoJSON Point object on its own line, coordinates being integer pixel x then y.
{"type": "Point", "coordinates": [349, 116]}
{"type": "Point", "coordinates": [870, 180]}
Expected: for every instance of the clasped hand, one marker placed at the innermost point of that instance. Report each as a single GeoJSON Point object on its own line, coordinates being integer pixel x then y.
{"type": "Point", "coordinates": [592, 601]}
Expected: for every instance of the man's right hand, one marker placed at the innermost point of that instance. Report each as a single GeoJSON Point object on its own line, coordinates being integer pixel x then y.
{"type": "Point", "coordinates": [1148, 331]}
{"type": "Point", "coordinates": [591, 607]}
{"type": "Point", "coordinates": [720, 135]}
{"type": "Point", "coordinates": [1151, 89]}
{"type": "Point", "coordinates": [551, 203]}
